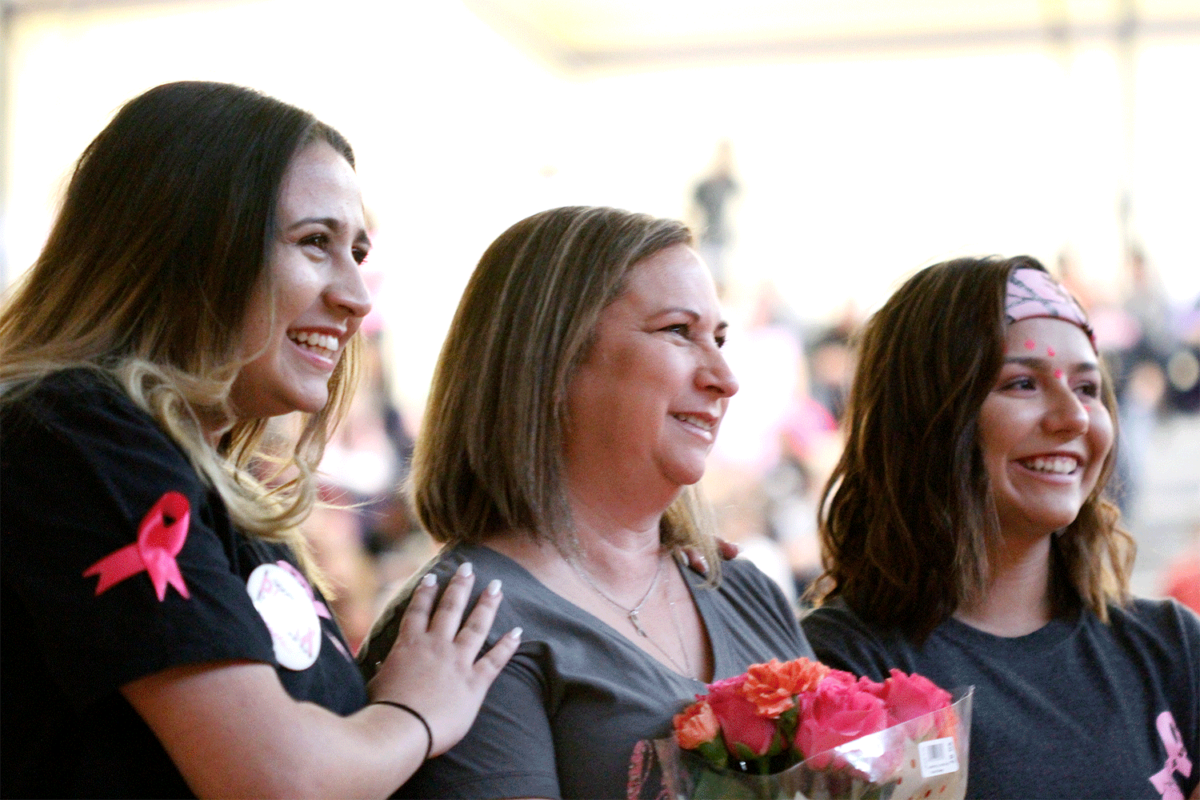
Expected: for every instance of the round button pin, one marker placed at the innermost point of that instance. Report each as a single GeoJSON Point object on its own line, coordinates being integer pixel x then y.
{"type": "Point", "coordinates": [288, 612]}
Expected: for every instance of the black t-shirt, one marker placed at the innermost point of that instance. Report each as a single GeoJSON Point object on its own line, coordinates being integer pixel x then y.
{"type": "Point", "coordinates": [1076, 709]}
{"type": "Point", "coordinates": [118, 562]}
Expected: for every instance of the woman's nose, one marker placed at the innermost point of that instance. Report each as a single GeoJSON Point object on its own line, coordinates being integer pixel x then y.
{"type": "Point", "coordinates": [1066, 413]}
{"type": "Point", "coordinates": [349, 291]}
{"type": "Point", "coordinates": [718, 377]}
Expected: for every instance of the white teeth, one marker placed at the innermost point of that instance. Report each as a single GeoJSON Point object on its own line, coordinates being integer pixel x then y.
{"type": "Point", "coordinates": [699, 422]}
{"type": "Point", "coordinates": [315, 341]}
{"type": "Point", "coordinates": [1059, 465]}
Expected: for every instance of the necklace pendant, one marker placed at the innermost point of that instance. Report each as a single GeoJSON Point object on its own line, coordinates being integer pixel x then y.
{"type": "Point", "coordinates": [637, 624]}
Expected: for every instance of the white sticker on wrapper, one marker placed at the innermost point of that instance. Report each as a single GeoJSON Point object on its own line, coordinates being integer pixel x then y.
{"type": "Point", "coordinates": [288, 611]}
{"type": "Point", "coordinates": [938, 757]}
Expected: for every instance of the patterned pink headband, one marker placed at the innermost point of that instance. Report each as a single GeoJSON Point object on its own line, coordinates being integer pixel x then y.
{"type": "Point", "coordinates": [1033, 293]}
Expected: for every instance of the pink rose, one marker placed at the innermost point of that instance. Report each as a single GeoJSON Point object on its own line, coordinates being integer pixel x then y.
{"type": "Point", "coordinates": [911, 696]}
{"type": "Point", "coordinates": [840, 710]}
{"type": "Point", "coordinates": [747, 735]}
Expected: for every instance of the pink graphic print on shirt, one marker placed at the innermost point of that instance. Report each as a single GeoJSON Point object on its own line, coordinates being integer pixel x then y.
{"type": "Point", "coordinates": [1177, 758]}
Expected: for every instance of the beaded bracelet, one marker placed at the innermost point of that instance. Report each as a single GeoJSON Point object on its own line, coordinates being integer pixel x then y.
{"type": "Point", "coordinates": [415, 713]}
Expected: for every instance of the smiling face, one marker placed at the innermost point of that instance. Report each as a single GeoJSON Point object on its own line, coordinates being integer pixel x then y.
{"type": "Point", "coordinates": [1043, 429]}
{"type": "Point", "coordinates": [645, 404]}
{"type": "Point", "coordinates": [300, 320]}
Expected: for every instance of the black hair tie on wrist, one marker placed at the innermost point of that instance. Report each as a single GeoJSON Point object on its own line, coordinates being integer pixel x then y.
{"type": "Point", "coordinates": [415, 713]}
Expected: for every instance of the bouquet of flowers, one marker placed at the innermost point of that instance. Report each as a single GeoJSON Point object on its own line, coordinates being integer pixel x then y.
{"type": "Point", "coordinates": [803, 730]}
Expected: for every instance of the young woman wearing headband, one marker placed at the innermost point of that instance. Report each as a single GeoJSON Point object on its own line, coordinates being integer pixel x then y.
{"type": "Point", "coordinates": [162, 632]}
{"type": "Point", "coordinates": [967, 537]}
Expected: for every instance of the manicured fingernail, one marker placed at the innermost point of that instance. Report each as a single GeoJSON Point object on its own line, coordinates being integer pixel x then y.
{"type": "Point", "coordinates": [493, 588]}
{"type": "Point", "coordinates": [704, 563]}
{"type": "Point", "coordinates": [429, 580]}
{"type": "Point", "coordinates": [516, 633]}
{"type": "Point", "coordinates": [466, 569]}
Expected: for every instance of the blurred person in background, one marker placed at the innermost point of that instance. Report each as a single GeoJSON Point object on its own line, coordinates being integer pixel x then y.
{"type": "Point", "coordinates": [165, 633]}
{"type": "Point", "coordinates": [712, 200]}
{"type": "Point", "coordinates": [966, 536]}
{"type": "Point", "coordinates": [362, 512]}
{"type": "Point", "coordinates": [831, 358]}
{"type": "Point", "coordinates": [573, 408]}
{"type": "Point", "coordinates": [776, 448]}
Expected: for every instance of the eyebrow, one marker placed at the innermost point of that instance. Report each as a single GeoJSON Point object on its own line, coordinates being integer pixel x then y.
{"type": "Point", "coordinates": [1040, 363]}
{"type": "Point", "coordinates": [334, 224]}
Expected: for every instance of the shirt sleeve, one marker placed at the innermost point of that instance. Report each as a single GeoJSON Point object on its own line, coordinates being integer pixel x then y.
{"type": "Point", "coordinates": [509, 751]}
{"type": "Point", "coordinates": [756, 621]}
{"type": "Point", "coordinates": [110, 544]}
{"type": "Point", "coordinates": [843, 642]}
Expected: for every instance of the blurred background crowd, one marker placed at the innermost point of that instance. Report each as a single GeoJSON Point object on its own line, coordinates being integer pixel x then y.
{"type": "Point", "coordinates": [821, 151]}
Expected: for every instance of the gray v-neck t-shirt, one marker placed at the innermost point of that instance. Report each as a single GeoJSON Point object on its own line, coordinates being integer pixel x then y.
{"type": "Point", "coordinates": [565, 717]}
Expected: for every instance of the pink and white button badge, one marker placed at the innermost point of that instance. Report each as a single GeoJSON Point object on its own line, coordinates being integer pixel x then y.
{"type": "Point", "coordinates": [288, 611]}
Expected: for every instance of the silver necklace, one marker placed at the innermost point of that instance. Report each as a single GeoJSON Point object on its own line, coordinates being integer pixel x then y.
{"type": "Point", "coordinates": [679, 638]}
{"type": "Point", "coordinates": [631, 613]}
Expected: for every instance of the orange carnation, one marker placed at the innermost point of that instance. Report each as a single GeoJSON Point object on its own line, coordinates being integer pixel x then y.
{"type": "Point", "coordinates": [696, 725]}
{"type": "Point", "coordinates": [772, 687]}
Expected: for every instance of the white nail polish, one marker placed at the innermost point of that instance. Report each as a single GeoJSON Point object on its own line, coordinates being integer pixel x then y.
{"type": "Point", "coordinates": [493, 588]}
{"type": "Point", "coordinates": [429, 580]}
{"type": "Point", "coordinates": [466, 569]}
{"type": "Point", "coordinates": [516, 633]}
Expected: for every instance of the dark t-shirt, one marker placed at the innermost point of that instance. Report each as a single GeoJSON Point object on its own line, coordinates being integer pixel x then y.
{"type": "Point", "coordinates": [1077, 709]}
{"type": "Point", "coordinates": [82, 472]}
{"type": "Point", "coordinates": [565, 717]}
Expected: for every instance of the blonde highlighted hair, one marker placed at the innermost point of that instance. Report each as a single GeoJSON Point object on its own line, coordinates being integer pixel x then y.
{"type": "Point", "coordinates": [147, 273]}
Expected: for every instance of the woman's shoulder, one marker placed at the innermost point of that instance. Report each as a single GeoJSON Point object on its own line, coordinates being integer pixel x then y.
{"type": "Point", "coordinates": [487, 565]}
{"type": "Point", "coordinates": [1168, 620]}
{"type": "Point", "coordinates": [741, 572]}
{"type": "Point", "coordinates": [842, 639]}
{"type": "Point", "coordinates": [833, 622]}
{"type": "Point", "coordinates": [1166, 610]}
{"type": "Point", "coordinates": [88, 400]}
{"type": "Point", "coordinates": [53, 388]}
{"type": "Point", "coordinates": [81, 408]}
{"type": "Point", "coordinates": [75, 439]}
{"type": "Point", "coordinates": [750, 592]}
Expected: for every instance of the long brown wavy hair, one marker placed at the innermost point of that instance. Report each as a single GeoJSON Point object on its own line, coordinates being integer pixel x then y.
{"type": "Point", "coordinates": [907, 516]}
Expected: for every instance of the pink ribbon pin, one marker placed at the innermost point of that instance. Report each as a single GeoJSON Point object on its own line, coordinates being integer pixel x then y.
{"type": "Point", "coordinates": [160, 538]}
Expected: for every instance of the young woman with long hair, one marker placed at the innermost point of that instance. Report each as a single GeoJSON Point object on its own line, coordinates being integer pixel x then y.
{"type": "Point", "coordinates": [164, 630]}
{"type": "Point", "coordinates": [966, 535]}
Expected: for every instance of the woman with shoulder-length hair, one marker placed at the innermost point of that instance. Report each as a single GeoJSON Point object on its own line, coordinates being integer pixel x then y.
{"type": "Point", "coordinates": [164, 630]}
{"type": "Point", "coordinates": [966, 536]}
{"type": "Point", "coordinates": [574, 404]}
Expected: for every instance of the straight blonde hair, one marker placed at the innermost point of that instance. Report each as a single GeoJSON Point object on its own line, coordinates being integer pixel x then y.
{"type": "Point", "coordinates": [490, 455]}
